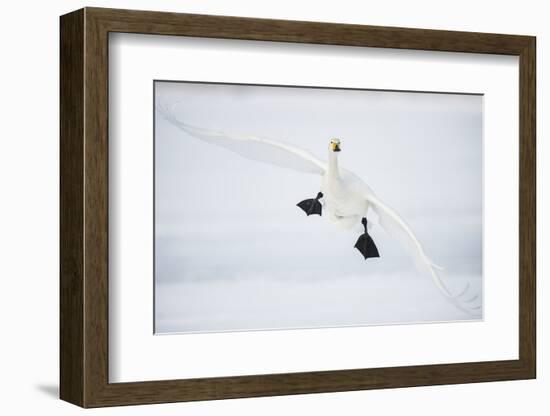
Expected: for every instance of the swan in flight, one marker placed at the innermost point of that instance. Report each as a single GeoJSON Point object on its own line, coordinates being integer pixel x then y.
{"type": "Point", "coordinates": [343, 196]}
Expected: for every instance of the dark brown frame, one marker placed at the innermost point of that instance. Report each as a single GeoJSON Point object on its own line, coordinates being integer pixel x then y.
{"type": "Point", "coordinates": [84, 211]}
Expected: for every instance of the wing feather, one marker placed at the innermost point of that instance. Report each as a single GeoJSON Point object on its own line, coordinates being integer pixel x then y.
{"type": "Point", "coordinates": [399, 229]}
{"type": "Point", "coordinates": [261, 149]}
{"type": "Point", "coordinates": [394, 225]}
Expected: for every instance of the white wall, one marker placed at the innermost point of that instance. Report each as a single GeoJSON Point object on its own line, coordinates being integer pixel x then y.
{"type": "Point", "coordinates": [29, 209]}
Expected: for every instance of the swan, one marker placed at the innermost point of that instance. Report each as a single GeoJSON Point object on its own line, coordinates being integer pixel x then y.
{"type": "Point", "coordinates": [344, 197]}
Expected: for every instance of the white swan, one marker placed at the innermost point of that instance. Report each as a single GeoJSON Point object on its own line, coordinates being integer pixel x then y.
{"type": "Point", "coordinates": [345, 197]}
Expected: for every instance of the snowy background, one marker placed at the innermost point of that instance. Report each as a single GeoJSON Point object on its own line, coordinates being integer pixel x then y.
{"type": "Point", "coordinates": [232, 250]}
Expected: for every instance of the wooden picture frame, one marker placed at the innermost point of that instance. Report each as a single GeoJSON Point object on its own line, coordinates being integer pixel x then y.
{"type": "Point", "coordinates": [84, 207]}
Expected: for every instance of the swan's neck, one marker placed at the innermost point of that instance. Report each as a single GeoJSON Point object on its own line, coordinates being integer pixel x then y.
{"type": "Point", "coordinates": [333, 171]}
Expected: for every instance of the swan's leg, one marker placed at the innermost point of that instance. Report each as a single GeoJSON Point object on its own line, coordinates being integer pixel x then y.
{"type": "Point", "coordinates": [365, 244]}
{"type": "Point", "coordinates": [312, 206]}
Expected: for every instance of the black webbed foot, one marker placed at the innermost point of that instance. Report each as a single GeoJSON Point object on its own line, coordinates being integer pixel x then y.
{"type": "Point", "coordinates": [312, 206]}
{"type": "Point", "coordinates": [365, 244]}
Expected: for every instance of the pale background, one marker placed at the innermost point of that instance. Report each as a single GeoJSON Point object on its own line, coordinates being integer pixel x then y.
{"type": "Point", "coordinates": [29, 222]}
{"type": "Point", "coordinates": [233, 252]}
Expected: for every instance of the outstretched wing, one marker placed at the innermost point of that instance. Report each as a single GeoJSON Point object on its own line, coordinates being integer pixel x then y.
{"type": "Point", "coordinates": [252, 147]}
{"type": "Point", "coordinates": [394, 225]}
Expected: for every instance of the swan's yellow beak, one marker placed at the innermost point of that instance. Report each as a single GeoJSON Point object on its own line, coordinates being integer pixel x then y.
{"type": "Point", "coordinates": [335, 145]}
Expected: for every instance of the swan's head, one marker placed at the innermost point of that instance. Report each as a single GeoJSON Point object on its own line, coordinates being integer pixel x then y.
{"type": "Point", "coordinates": [335, 145]}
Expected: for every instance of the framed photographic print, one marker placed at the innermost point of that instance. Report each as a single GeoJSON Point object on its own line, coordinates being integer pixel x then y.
{"type": "Point", "coordinates": [255, 207]}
